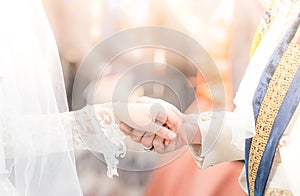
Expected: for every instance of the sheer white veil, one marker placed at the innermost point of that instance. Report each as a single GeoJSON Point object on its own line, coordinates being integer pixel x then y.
{"type": "Point", "coordinates": [36, 154]}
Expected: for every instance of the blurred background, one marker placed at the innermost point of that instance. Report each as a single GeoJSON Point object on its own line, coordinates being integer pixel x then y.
{"type": "Point", "coordinates": [224, 28]}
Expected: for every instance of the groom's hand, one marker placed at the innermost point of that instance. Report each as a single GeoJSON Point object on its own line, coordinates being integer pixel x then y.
{"type": "Point", "coordinates": [185, 126]}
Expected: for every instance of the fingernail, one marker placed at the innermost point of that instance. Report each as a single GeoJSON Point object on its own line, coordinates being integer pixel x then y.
{"type": "Point", "coordinates": [123, 127]}
{"type": "Point", "coordinates": [167, 142]}
{"type": "Point", "coordinates": [171, 135]}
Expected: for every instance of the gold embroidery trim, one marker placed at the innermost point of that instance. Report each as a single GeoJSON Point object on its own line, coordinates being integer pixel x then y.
{"type": "Point", "coordinates": [276, 192]}
{"type": "Point", "coordinates": [269, 108]}
{"type": "Point", "coordinates": [262, 29]}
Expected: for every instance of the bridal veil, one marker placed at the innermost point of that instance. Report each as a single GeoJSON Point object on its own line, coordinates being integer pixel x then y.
{"type": "Point", "coordinates": [35, 158]}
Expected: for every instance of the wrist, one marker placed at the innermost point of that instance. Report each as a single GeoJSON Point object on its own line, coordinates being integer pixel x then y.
{"type": "Point", "coordinates": [190, 122]}
{"type": "Point", "coordinates": [197, 137]}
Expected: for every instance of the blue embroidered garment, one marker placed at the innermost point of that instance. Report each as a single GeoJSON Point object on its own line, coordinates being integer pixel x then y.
{"type": "Point", "coordinates": [284, 114]}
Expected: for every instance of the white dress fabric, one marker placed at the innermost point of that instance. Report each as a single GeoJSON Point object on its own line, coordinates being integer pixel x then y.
{"type": "Point", "coordinates": [36, 129]}
{"type": "Point", "coordinates": [227, 143]}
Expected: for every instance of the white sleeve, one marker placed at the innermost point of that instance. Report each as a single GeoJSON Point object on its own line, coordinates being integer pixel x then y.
{"type": "Point", "coordinates": [216, 134]}
{"type": "Point", "coordinates": [91, 128]}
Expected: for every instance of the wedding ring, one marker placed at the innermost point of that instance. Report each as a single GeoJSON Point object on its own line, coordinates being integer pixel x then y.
{"type": "Point", "coordinates": [148, 149]}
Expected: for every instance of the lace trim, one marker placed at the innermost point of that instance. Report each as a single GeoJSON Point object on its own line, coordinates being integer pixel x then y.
{"type": "Point", "coordinates": [97, 131]}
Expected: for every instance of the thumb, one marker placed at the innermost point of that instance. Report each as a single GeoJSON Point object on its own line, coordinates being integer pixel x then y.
{"type": "Point", "coordinates": [161, 131]}
{"type": "Point", "coordinates": [144, 99]}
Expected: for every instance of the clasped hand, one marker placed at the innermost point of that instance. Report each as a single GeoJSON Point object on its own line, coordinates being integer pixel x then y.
{"type": "Point", "coordinates": [154, 122]}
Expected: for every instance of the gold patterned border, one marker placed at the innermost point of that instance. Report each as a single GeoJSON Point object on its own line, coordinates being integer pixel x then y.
{"type": "Point", "coordinates": [276, 192]}
{"type": "Point", "coordinates": [277, 89]}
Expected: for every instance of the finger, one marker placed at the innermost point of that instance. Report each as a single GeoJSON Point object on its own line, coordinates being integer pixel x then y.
{"type": "Point", "coordinates": [136, 135]}
{"type": "Point", "coordinates": [158, 109]}
{"type": "Point", "coordinates": [170, 147]}
{"type": "Point", "coordinates": [152, 128]}
{"type": "Point", "coordinates": [164, 116]}
{"type": "Point", "coordinates": [173, 121]}
{"type": "Point", "coordinates": [135, 138]}
{"type": "Point", "coordinates": [164, 112]}
{"type": "Point", "coordinates": [125, 128]}
{"type": "Point", "coordinates": [147, 139]}
{"type": "Point", "coordinates": [158, 144]}
{"type": "Point", "coordinates": [166, 142]}
{"type": "Point", "coordinates": [166, 134]}
{"type": "Point", "coordinates": [161, 131]}
{"type": "Point", "coordinates": [159, 112]}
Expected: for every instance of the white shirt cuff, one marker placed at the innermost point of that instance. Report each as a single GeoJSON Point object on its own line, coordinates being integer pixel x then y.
{"type": "Point", "coordinates": [216, 134]}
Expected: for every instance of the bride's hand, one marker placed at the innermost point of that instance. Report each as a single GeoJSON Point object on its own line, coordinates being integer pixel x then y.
{"type": "Point", "coordinates": [146, 119]}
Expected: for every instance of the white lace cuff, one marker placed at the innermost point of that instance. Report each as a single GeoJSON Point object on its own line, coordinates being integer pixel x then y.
{"type": "Point", "coordinates": [97, 130]}
{"type": "Point", "coordinates": [216, 134]}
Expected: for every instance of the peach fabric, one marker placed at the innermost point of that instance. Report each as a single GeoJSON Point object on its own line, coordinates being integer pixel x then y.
{"type": "Point", "coordinates": [183, 177]}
